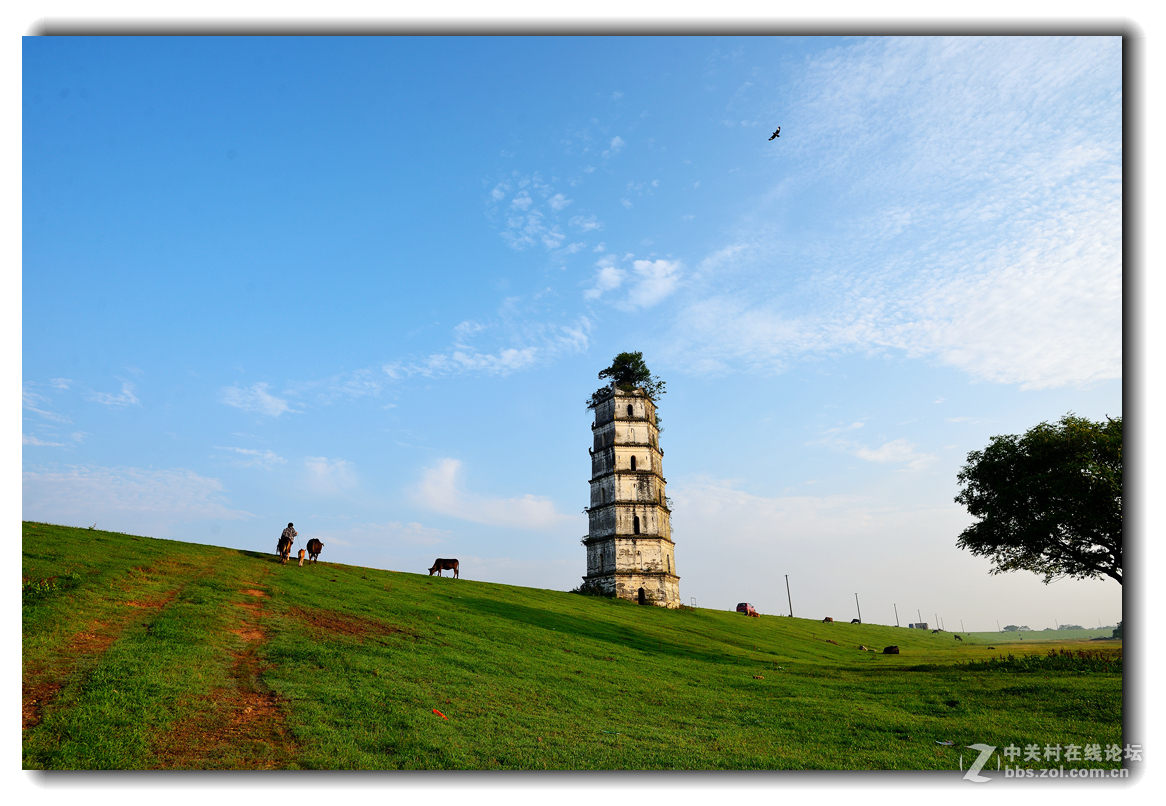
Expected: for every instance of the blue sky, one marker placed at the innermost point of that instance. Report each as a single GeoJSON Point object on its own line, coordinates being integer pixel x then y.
{"type": "Point", "coordinates": [365, 285]}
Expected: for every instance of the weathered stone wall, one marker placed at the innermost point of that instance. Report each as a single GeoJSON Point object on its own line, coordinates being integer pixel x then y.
{"type": "Point", "coordinates": [639, 488]}
{"type": "Point", "coordinates": [629, 542]}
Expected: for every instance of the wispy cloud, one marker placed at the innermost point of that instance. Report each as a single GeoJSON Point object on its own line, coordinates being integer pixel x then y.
{"type": "Point", "coordinates": [383, 535]}
{"type": "Point", "coordinates": [586, 223]}
{"type": "Point", "coordinates": [329, 476]}
{"type": "Point", "coordinates": [251, 457]}
{"type": "Point", "coordinates": [648, 281]}
{"type": "Point", "coordinates": [256, 399]}
{"type": "Point", "coordinates": [1000, 255]}
{"type": "Point", "coordinates": [614, 147]}
{"type": "Point", "coordinates": [125, 498]}
{"type": "Point", "coordinates": [896, 451]}
{"type": "Point", "coordinates": [125, 398]}
{"type": "Point", "coordinates": [440, 490]}
{"type": "Point", "coordinates": [608, 276]}
{"type": "Point", "coordinates": [532, 214]}
{"type": "Point", "coordinates": [339, 387]}
{"type": "Point", "coordinates": [38, 404]}
{"type": "Point", "coordinates": [654, 280]}
{"type": "Point", "coordinates": [27, 439]}
{"type": "Point", "coordinates": [535, 343]}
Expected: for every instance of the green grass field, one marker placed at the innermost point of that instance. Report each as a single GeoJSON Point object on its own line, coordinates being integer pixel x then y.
{"type": "Point", "coordinates": [144, 653]}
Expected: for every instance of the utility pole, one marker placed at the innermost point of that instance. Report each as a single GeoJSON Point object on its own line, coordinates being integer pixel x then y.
{"type": "Point", "coordinates": [962, 626]}
{"type": "Point", "coordinates": [937, 620]}
{"type": "Point", "coordinates": [897, 615]}
{"type": "Point", "coordinates": [856, 604]}
{"type": "Point", "coordinates": [791, 600]}
{"type": "Point", "coordinates": [998, 626]}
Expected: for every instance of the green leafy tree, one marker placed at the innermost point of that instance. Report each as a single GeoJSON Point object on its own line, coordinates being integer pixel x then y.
{"type": "Point", "coordinates": [1048, 501]}
{"type": "Point", "coordinates": [628, 371]}
{"type": "Point", "coordinates": [1117, 630]}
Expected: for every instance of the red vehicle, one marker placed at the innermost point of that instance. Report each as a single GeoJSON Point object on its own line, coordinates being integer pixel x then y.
{"type": "Point", "coordinates": [747, 609]}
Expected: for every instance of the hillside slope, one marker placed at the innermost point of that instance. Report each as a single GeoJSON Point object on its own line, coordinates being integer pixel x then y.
{"type": "Point", "coordinates": [147, 653]}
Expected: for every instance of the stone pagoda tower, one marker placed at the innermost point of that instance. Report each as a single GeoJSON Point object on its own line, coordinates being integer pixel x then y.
{"type": "Point", "coordinates": [629, 537]}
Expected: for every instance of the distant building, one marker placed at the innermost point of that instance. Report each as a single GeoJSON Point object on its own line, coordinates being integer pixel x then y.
{"type": "Point", "coordinates": [921, 625]}
{"type": "Point", "coordinates": [629, 525]}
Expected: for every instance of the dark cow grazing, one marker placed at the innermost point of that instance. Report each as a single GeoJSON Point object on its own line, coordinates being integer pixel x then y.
{"type": "Point", "coordinates": [440, 565]}
{"type": "Point", "coordinates": [958, 638]}
{"type": "Point", "coordinates": [891, 650]}
{"type": "Point", "coordinates": [314, 549]}
{"type": "Point", "coordinates": [856, 621]}
{"type": "Point", "coordinates": [283, 549]}
{"type": "Point", "coordinates": [827, 619]}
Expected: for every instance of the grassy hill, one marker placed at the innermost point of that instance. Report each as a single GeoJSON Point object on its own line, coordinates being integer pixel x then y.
{"type": "Point", "coordinates": [146, 653]}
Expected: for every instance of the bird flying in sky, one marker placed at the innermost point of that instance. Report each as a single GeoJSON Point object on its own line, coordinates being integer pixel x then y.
{"type": "Point", "coordinates": [776, 133]}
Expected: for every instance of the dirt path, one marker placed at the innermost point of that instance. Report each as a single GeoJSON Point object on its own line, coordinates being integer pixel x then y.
{"type": "Point", "coordinates": [40, 685]}
{"type": "Point", "coordinates": [240, 724]}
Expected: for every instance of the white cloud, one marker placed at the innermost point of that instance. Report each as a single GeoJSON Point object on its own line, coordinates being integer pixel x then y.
{"type": "Point", "coordinates": [124, 498]}
{"type": "Point", "coordinates": [254, 399]}
{"type": "Point", "coordinates": [896, 451]}
{"type": "Point", "coordinates": [383, 535]}
{"type": "Point", "coordinates": [626, 203]}
{"type": "Point", "coordinates": [440, 491]}
{"type": "Point", "coordinates": [126, 398]}
{"type": "Point", "coordinates": [586, 223]}
{"type": "Point", "coordinates": [27, 439]}
{"type": "Point", "coordinates": [522, 201]}
{"type": "Point", "coordinates": [655, 280]}
{"type": "Point", "coordinates": [340, 387]}
{"type": "Point", "coordinates": [329, 476]}
{"type": "Point", "coordinates": [607, 277]}
{"type": "Point", "coordinates": [60, 383]}
{"type": "Point", "coordinates": [559, 202]}
{"type": "Point", "coordinates": [252, 457]}
{"type": "Point", "coordinates": [33, 401]}
{"type": "Point", "coordinates": [616, 145]}
{"type": "Point", "coordinates": [1000, 255]}
{"type": "Point", "coordinates": [546, 341]}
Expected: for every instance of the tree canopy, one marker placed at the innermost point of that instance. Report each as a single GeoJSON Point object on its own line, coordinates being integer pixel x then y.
{"type": "Point", "coordinates": [1048, 501]}
{"type": "Point", "coordinates": [629, 371]}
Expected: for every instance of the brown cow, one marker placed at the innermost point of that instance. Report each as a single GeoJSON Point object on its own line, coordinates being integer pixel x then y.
{"type": "Point", "coordinates": [314, 548]}
{"type": "Point", "coordinates": [440, 565]}
{"type": "Point", "coordinates": [302, 553]}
